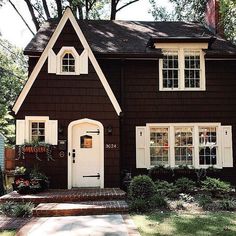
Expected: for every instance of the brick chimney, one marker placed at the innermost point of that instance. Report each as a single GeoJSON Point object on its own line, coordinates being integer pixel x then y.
{"type": "Point", "coordinates": [212, 17]}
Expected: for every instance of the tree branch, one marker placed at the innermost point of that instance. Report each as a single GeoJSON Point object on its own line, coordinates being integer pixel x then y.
{"type": "Point", "coordinates": [21, 17]}
{"type": "Point", "coordinates": [45, 7]}
{"type": "Point", "coordinates": [127, 4]}
{"type": "Point", "coordinates": [34, 18]}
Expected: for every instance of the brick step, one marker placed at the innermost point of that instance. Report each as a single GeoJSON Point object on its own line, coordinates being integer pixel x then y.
{"type": "Point", "coordinates": [80, 208]}
{"type": "Point", "coordinates": [65, 195]}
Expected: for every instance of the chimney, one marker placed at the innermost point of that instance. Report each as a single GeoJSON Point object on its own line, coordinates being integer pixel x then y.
{"type": "Point", "coordinates": [212, 17]}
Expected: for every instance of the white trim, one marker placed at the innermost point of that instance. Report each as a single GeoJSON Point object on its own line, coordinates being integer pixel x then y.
{"type": "Point", "coordinates": [101, 154]}
{"type": "Point", "coordinates": [68, 15]}
{"type": "Point", "coordinates": [29, 120]}
{"type": "Point", "coordinates": [181, 45]}
{"type": "Point", "coordinates": [59, 56]}
{"type": "Point", "coordinates": [195, 126]}
{"type": "Point", "coordinates": [180, 49]}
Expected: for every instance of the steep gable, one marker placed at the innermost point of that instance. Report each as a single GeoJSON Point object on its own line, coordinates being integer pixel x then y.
{"type": "Point", "coordinates": [67, 20]}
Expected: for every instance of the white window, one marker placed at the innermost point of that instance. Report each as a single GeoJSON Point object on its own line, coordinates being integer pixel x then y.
{"type": "Point", "coordinates": [184, 146]}
{"type": "Point", "coordinates": [193, 144]}
{"type": "Point", "coordinates": [37, 132]}
{"type": "Point", "coordinates": [36, 128]}
{"type": "Point", "coordinates": [159, 146]}
{"type": "Point", "coordinates": [182, 67]}
{"type": "Point", "coordinates": [207, 146]}
{"type": "Point", "coordinates": [68, 63]}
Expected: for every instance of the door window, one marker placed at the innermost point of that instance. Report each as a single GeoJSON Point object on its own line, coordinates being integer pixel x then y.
{"type": "Point", "coordinates": [86, 141]}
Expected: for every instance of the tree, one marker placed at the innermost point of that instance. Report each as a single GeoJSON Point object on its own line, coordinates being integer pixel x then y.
{"type": "Point", "coordinates": [42, 10]}
{"type": "Point", "coordinates": [188, 10]}
{"type": "Point", "coordinates": [12, 77]}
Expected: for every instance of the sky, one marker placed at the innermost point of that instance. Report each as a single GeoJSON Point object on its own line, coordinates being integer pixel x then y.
{"type": "Point", "coordinates": [13, 29]}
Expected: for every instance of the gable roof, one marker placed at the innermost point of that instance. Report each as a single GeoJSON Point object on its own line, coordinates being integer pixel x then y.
{"type": "Point", "coordinates": [68, 15]}
{"type": "Point", "coordinates": [132, 37]}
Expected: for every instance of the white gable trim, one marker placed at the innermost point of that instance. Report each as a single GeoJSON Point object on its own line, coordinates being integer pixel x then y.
{"type": "Point", "coordinates": [67, 15]}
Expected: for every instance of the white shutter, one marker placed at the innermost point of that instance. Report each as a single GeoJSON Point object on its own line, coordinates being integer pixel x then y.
{"type": "Point", "coordinates": [51, 132]}
{"type": "Point", "coordinates": [20, 132]}
{"type": "Point", "coordinates": [140, 146]}
{"type": "Point", "coordinates": [83, 62]}
{"type": "Point", "coordinates": [52, 62]}
{"type": "Point", "coordinates": [227, 151]}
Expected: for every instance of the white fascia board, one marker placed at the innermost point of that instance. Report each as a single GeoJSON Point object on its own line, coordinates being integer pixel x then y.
{"type": "Point", "coordinates": [67, 15]}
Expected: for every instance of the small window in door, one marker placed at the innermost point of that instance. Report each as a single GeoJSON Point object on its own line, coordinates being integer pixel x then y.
{"type": "Point", "coordinates": [86, 141]}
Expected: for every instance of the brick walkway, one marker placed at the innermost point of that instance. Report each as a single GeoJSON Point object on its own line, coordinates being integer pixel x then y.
{"type": "Point", "coordinates": [12, 223]}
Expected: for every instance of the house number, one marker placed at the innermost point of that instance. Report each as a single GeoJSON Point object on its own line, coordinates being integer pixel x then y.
{"type": "Point", "coordinates": [111, 146]}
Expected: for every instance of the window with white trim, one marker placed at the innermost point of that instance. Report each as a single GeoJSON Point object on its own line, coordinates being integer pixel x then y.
{"type": "Point", "coordinates": [159, 146]}
{"type": "Point", "coordinates": [192, 144]}
{"type": "Point", "coordinates": [182, 68]}
{"type": "Point", "coordinates": [184, 146]}
{"type": "Point", "coordinates": [37, 132]}
{"type": "Point", "coordinates": [68, 63]}
{"type": "Point", "coordinates": [207, 146]}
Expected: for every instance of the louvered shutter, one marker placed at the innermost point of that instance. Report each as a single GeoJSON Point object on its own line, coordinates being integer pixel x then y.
{"type": "Point", "coordinates": [52, 62]}
{"type": "Point", "coordinates": [140, 147]}
{"type": "Point", "coordinates": [227, 150]}
{"type": "Point", "coordinates": [51, 132]}
{"type": "Point", "coordinates": [83, 62]}
{"type": "Point", "coordinates": [20, 132]}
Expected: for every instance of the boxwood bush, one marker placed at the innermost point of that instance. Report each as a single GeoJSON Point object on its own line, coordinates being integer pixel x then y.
{"type": "Point", "coordinates": [184, 184]}
{"type": "Point", "coordinates": [141, 187]}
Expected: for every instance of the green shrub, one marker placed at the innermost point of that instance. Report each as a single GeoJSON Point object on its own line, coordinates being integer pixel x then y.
{"type": "Point", "coordinates": [204, 200]}
{"type": "Point", "coordinates": [158, 201]}
{"type": "Point", "coordinates": [186, 197]}
{"type": "Point", "coordinates": [166, 189]}
{"type": "Point", "coordinates": [139, 205]}
{"type": "Point", "coordinates": [141, 187]}
{"type": "Point", "coordinates": [184, 184]}
{"type": "Point", "coordinates": [215, 185]}
{"type": "Point", "coordinates": [16, 209]}
{"type": "Point", "coordinates": [227, 204]}
{"type": "Point", "coordinates": [6, 208]}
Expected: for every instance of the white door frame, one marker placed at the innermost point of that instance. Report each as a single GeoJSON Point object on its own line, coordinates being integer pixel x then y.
{"type": "Point", "coordinates": [69, 154]}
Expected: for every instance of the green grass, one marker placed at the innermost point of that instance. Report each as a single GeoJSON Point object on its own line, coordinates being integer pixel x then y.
{"type": "Point", "coordinates": [217, 223]}
{"type": "Point", "coordinates": [7, 233]}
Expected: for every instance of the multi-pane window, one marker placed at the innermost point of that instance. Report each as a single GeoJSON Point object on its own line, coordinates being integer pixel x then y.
{"type": "Point", "coordinates": [170, 72]}
{"type": "Point", "coordinates": [182, 69]}
{"type": "Point", "coordinates": [192, 69]}
{"type": "Point", "coordinates": [68, 63]}
{"type": "Point", "coordinates": [159, 146]}
{"type": "Point", "coordinates": [38, 131]}
{"type": "Point", "coordinates": [184, 146]}
{"type": "Point", "coordinates": [207, 145]}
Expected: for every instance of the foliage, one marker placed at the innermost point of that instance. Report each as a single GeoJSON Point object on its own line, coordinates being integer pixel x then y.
{"type": "Point", "coordinates": [188, 10]}
{"type": "Point", "coordinates": [19, 170]}
{"type": "Point", "coordinates": [158, 201]}
{"type": "Point", "coordinates": [2, 189]}
{"type": "Point", "coordinates": [215, 185]}
{"type": "Point", "coordinates": [166, 189]}
{"type": "Point", "coordinates": [36, 148]}
{"type": "Point", "coordinates": [12, 77]}
{"type": "Point", "coordinates": [16, 209]}
{"type": "Point", "coordinates": [186, 197]}
{"type": "Point", "coordinates": [204, 200]}
{"type": "Point", "coordinates": [184, 184]}
{"type": "Point", "coordinates": [139, 205]}
{"type": "Point", "coordinates": [141, 187]}
{"type": "Point", "coordinates": [228, 204]}
{"type": "Point", "coordinates": [37, 174]}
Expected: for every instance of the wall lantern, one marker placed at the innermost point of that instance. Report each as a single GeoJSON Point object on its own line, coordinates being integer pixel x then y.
{"type": "Point", "coordinates": [109, 130]}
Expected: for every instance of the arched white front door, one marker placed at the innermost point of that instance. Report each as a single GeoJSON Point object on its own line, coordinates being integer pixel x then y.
{"type": "Point", "coordinates": [85, 154]}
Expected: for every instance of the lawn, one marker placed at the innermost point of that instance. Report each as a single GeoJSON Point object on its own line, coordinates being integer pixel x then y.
{"type": "Point", "coordinates": [7, 233]}
{"type": "Point", "coordinates": [171, 223]}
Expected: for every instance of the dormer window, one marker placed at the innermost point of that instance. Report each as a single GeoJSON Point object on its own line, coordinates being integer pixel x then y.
{"type": "Point", "coordinates": [68, 63]}
{"type": "Point", "coordinates": [182, 67]}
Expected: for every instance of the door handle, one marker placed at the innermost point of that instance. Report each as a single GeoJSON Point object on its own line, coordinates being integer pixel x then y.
{"type": "Point", "coordinates": [73, 155]}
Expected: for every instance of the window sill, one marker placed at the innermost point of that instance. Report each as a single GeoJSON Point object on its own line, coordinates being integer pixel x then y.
{"type": "Point", "coordinates": [181, 90]}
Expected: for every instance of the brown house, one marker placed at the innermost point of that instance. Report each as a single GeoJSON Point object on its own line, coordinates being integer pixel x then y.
{"type": "Point", "coordinates": [115, 95]}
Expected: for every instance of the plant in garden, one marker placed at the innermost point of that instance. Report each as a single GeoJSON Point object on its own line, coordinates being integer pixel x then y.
{"type": "Point", "coordinates": [228, 204]}
{"type": "Point", "coordinates": [158, 201]}
{"type": "Point", "coordinates": [215, 186]}
{"type": "Point", "coordinates": [141, 187]}
{"type": "Point", "coordinates": [165, 188]}
{"type": "Point", "coordinates": [184, 184]}
{"type": "Point", "coordinates": [139, 205]}
{"type": "Point", "coordinates": [16, 209]}
{"type": "Point", "coordinates": [186, 197]}
{"type": "Point", "coordinates": [204, 200]}
{"type": "Point", "coordinates": [19, 170]}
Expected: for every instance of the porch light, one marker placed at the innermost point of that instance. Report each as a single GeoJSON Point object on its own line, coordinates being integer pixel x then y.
{"type": "Point", "coordinates": [109, 130]}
